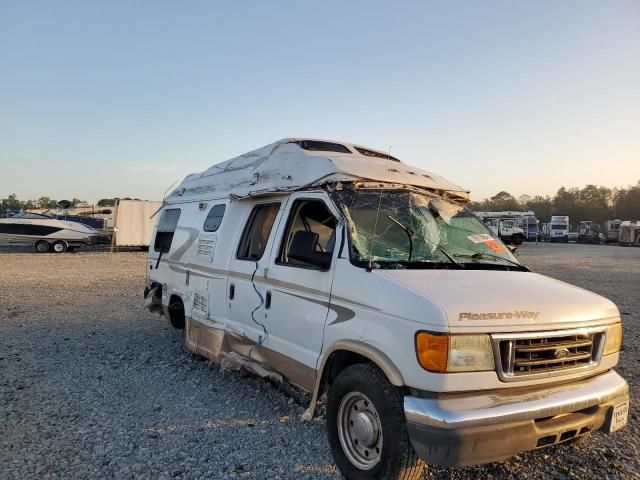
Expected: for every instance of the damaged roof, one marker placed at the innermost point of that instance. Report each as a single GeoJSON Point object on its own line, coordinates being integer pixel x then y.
{"type": "Point", "coordinates": [294, 164]}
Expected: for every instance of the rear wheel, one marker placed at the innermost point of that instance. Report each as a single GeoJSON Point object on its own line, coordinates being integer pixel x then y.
{"type": "Point", "coordinates": [176, 312]}
{"type": "Point", "coordinates": [59, 246]}
{"type": "Point", "coordinates": [41, 246]}
{"type": "Point", "coordinates": [367, 428]}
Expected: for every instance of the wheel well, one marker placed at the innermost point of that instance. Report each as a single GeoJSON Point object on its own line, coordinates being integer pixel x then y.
{"type": "Point", "coordinates": [176, 311]}
{"type": "Point", "coordinates": [338, 361]}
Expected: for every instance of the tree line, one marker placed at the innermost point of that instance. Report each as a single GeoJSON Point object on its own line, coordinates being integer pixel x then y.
{"type": "Point", "coordinates": [596, 203]}
{"type": "Point", "coordinates": [593, 202]}
{"type": "Point", "coordinates": [12, 202]}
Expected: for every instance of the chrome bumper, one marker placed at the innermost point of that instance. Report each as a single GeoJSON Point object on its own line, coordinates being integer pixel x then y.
{"type": "Point", "coordinates": [500, 407]}
{"type": "Point", "coordinates": [471, 428]}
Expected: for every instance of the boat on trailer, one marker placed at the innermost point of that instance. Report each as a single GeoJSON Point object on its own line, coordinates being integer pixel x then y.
{"type": "Point", "coordinates": [45, 233]}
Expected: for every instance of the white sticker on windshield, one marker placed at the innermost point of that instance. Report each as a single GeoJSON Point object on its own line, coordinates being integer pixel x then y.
{"type": "Point", "coordinates": [480, 238]}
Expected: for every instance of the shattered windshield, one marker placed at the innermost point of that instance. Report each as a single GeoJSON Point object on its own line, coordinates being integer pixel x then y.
{"type": "Point", "coordinates": [413, 229]}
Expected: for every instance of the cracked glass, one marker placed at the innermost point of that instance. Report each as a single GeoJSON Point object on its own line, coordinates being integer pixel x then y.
{"type": "Point", "coordinates": [414, 229]}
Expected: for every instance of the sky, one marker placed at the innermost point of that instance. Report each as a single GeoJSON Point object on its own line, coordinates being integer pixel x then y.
{"type": "Point", "coordinates": [124, 98]}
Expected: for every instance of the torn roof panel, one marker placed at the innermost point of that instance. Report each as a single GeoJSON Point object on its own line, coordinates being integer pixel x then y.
{"type": "Point", "coordinates": [286, 166]}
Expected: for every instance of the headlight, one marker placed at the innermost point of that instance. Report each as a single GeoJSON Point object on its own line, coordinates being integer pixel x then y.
{"type": "Point", "coordinates": [613, 339]}
{"type": "Point", "coordinates": [454, 353]}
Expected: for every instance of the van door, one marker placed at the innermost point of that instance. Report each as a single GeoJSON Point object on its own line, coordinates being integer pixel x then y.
{"type": "Point", "coordinates": [247, 265]}
{"type": "Point", "coordinates": [300, 277]}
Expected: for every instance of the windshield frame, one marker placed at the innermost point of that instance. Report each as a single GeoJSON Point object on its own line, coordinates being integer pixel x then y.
{"type": "Point", "coordinates": [512, 264]}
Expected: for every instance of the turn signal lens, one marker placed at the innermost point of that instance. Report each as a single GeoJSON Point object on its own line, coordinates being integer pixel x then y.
{"type": "Point", "coordinates": [613, 339]}
{"type": "Point", "coordinates": [432, 351]}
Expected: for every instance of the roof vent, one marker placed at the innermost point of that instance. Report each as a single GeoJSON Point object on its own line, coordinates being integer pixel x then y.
{"type": "Point", "coordinates": [373, 153]}
{"type": "Point", "coordinates": [318, 146]}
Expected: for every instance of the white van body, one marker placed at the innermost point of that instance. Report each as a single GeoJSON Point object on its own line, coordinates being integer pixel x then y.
{"type": "Point", "coordinates": [559, 229]}
{"type": "Point", "coordinates": [259, 258]}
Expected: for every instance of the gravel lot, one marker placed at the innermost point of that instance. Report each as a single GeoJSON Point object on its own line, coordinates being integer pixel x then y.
{"type": "Point", "coordinates": [93, 386]}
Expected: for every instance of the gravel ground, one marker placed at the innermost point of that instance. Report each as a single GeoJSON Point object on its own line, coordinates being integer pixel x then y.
{"type": "Point", "coordinates": [93, 386]}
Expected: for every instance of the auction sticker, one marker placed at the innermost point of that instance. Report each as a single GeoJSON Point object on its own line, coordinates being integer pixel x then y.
{"type": "Point", "coordinates": [480, 238]}
{"type": "Point", "coordinates": [619, 417]}
{"type": "Point", "coordinates": [495, 246]}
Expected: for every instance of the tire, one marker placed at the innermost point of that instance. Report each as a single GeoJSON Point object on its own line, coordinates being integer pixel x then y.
{"type": "Point", "coordinates": [517, 239]}
{"type": "Point", "coordinates": [41, 246]}
{"type": "Point", "coordinates": [59, 247]}
{"type": "Point", "coordinates": [380, 448]}
{"type": "Point", "coordinates": [176, 312]}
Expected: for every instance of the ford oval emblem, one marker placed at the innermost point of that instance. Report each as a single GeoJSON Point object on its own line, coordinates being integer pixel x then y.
{"type": "Point", "coordinates": [561, 352]}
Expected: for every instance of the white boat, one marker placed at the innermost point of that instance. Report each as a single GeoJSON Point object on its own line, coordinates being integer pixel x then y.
{"type": "Point", "coordinates": [45, 233]}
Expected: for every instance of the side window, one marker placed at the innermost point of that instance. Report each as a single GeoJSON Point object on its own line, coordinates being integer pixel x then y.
{"type": "Point", "coordinates": [166, 226]}
{"type": "Point", "coordinates": [310, 237]}
{"type": "Point", "coordinates": [214, 218]}
{"type": "Point", "coordinates": [256, 232]}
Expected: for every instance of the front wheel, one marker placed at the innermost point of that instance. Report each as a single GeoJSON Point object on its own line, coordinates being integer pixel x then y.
{"type": "Point", "coordinates": [59, 246]}
{"type": "Point", "coordinates": [367, 429]}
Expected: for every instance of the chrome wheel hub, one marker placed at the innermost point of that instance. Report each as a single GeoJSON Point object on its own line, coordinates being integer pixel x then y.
{"type": "Point", "coordinates": [360, 430]}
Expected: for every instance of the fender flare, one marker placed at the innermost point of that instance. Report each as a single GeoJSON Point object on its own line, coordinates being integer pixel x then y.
{"type": "Point", "coordinates": [374, 354]}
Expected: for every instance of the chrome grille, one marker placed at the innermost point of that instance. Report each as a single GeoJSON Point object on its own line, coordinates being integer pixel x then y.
{"type": "Point", "coordinates": [545, 354]}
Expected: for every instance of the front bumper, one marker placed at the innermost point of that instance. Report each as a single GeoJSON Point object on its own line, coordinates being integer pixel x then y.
{"type": "Point", "coordinates": [482, 427]}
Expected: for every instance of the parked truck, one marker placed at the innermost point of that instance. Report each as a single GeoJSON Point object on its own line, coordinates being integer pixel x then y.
{"type": "Point", "coordinates": [589, 232]}
{"type": "Point", "coordinates": [369, 284]}
{"type": "Point", "coordinates": [511, 227]}
{"type": "Point", "coordinates": [559, 229]}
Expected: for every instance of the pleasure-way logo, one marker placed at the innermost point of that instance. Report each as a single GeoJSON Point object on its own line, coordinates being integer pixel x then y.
{"type": "Point", "coordinates": [516, 314]}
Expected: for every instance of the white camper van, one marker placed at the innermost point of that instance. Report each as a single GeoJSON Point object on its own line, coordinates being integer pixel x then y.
{"type": "Point", "coordinates": [367, 282]}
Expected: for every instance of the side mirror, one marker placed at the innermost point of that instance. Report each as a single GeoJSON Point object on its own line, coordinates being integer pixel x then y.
{"type": "Point", "coordinates": [303, 249]}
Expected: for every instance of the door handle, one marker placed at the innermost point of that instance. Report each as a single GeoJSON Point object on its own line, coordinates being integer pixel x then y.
{"type": "Point", "coordinates": [232, 291]}
{"type": "Point", "coordinates": [267, 303]}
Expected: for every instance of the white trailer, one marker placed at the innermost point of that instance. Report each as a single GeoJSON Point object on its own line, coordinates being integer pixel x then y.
{"type": "Point", "coordinates": [612, 231]}
{"type": "Point", "coordinates": [133, 222]}
{"type": "Point", "coordinates": [630, 233]}
{"type": "Point", "coordinates": [368, 283]}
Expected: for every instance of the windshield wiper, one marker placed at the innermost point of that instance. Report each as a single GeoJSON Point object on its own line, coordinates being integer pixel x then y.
{"type": "Point", "coordinates": [406, 230]}
{"type": "Point", "coordinates": [488, 255]}
{"type": "Point", "coordinates": [410, 234]}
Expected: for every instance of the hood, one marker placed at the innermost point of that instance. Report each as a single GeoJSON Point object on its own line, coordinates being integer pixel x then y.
{"type": "Point", "coordinates": [497, 300]}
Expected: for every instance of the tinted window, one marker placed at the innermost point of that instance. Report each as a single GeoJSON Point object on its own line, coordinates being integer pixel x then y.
{"type": "Point", "coordinates": [373, 153]}
{"type": "Point", "coordinates": [309, 216]}
{"type": "Point", "coordinates": [318, 146]}
{"type": "Point", "coordinates": [214, 218]}
{"type": "Point", "coordinates": [166, 226]}
{"type": "Point", "coordinates": [256, 232]}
